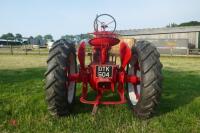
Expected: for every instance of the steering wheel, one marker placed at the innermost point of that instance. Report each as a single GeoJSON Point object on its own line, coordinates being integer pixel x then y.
{"type": "Point", "coordinates": [104, 22]}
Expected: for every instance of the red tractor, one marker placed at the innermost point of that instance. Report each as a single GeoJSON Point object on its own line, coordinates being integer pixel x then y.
{"type": "Point", "coordinates": [137, 78]}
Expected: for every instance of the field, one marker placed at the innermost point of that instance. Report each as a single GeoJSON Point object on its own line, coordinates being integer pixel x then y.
{"type": "Point", "coordinates": [23, 108]}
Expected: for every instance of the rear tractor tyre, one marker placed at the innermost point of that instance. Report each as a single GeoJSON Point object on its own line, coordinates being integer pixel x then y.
{"type": "Point", "coordinates": [145, 63]}
{"type": "Point", "coordinates": [60, 93]}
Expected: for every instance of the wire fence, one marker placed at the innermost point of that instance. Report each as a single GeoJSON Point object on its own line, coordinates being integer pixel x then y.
{"type": "Point", "coordinates": [23, 49]}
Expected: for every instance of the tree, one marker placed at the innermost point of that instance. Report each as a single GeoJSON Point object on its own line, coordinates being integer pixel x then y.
{"type": "Point", "coordinates": [38, 40]}
{"type": "Point", "coordinates": [8, 36]}
{"type": "Point", "coordinates": [30, 40]}
{"type": "Point", "coordinates": [18, 37]}
{"type": "Point", "coordinates": [48, 37]}
{"type": "Point", "coordinates": [77, 38]}
{"type": "Point", "coordinates": [172, 25]}
{"type": "Point", "coordinates": [191, 23]}
{"type": "Point", "coordinates": [68, 37]}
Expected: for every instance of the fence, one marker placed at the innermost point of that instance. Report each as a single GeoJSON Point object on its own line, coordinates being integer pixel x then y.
{"type": "Point", "coordinates": [30, 49]}
{"type": "Point", "coordinates": [194, 51]}
{"type": "Point", "coordinates": [178, 51]}
{"type": "Point", "coordinates": [22, 49]}
{"type": "Point", "coordinates": [173, 50]}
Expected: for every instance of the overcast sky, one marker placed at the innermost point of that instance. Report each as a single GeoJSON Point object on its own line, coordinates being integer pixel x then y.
{"type": "Point", "coordinates": [60, 17]}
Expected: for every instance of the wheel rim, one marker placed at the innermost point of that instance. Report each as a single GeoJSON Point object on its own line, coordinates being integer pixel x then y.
{"type": "Point", "coordinates": [71, 84]}
{"type": "Point", "coordinates": [134, 91]}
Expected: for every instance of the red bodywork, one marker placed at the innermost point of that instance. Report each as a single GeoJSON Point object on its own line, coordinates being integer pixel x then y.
{"type": "Point", "coordinates": [115, 78]}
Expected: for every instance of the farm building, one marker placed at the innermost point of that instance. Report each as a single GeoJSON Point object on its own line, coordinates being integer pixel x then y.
{"type": "Point", "coordinates": [178, 39]}
{"type": "Point", "coordinates": [8, 42]}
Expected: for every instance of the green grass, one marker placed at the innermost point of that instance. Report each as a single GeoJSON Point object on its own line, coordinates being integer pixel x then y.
{"type": "Point", "coordinates": [22, 99]}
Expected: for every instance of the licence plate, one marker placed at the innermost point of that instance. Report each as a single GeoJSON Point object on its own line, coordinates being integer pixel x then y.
{"type": "Point", "coordinates": [104, 71]}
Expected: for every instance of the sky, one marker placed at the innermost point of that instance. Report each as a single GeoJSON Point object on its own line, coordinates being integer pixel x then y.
{"type": "Point", "coordinates": [60, 17]}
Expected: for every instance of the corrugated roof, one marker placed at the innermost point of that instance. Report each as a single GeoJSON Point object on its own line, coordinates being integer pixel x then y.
{"type": "Point", "coordinates": [4, 40]}
{"type": "Point", "coordinates": [152, 31]}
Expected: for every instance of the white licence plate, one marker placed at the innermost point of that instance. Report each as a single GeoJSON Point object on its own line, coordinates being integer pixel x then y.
{"type": "Point", "coordinates": [104, 71]}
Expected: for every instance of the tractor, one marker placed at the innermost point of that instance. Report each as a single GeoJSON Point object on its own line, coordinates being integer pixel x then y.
{"type": "Point", "coordinates": [135, 73]}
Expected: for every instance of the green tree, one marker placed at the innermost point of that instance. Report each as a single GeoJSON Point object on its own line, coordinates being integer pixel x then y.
{"type": "Point", "coordinates": [30, 40]}
{"type": "Point", "coordinates": [38, 39]}
{"type": "Point", "coordinates": [18, 37]}
{"type": "Point", "coordinates": [77, 38]}
{"type": "Point", "coordinates": [191, 23]}
{"type": "Point", "coordinates": [8, 36]}
{"type": "Point", "coordinates": [68, 37]}
{"type": "Point", "coordinates": [39, 36]}
{"type": "Point", "coordinates": [48, 37]}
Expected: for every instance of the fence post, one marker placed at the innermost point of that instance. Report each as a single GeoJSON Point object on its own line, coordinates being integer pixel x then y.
{"type": "Point", "coordinates": [187, 51]}
{"type": "Point", "coordinates": [11, 49]}
{"type": "Point", "coordinates": [25, 49]}
{"type": "Point", "coordinates": [171, 51]}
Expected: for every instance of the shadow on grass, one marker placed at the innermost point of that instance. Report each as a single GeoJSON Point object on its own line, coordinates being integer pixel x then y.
{"type": "Point", "coordinates": [179, 88]}
{"type": "Point", "coordinates": [86, 108]}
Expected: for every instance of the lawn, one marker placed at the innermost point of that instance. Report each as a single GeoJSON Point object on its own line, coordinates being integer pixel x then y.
{"type": "Point", "coordinates": [23, 109]}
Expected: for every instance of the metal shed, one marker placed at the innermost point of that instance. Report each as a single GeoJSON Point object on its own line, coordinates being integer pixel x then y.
{"type": "Point", "coordinates": [181, 37]}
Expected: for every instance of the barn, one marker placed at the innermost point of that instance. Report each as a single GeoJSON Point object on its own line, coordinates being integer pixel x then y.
{"type": "Point", "coordinates": [176, 40]}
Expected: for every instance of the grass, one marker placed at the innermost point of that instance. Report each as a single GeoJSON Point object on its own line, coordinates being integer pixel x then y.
{"type": "Point", "coordinates": [23, 109]}
{"type": "Point", "coordinates": [13, 62]}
